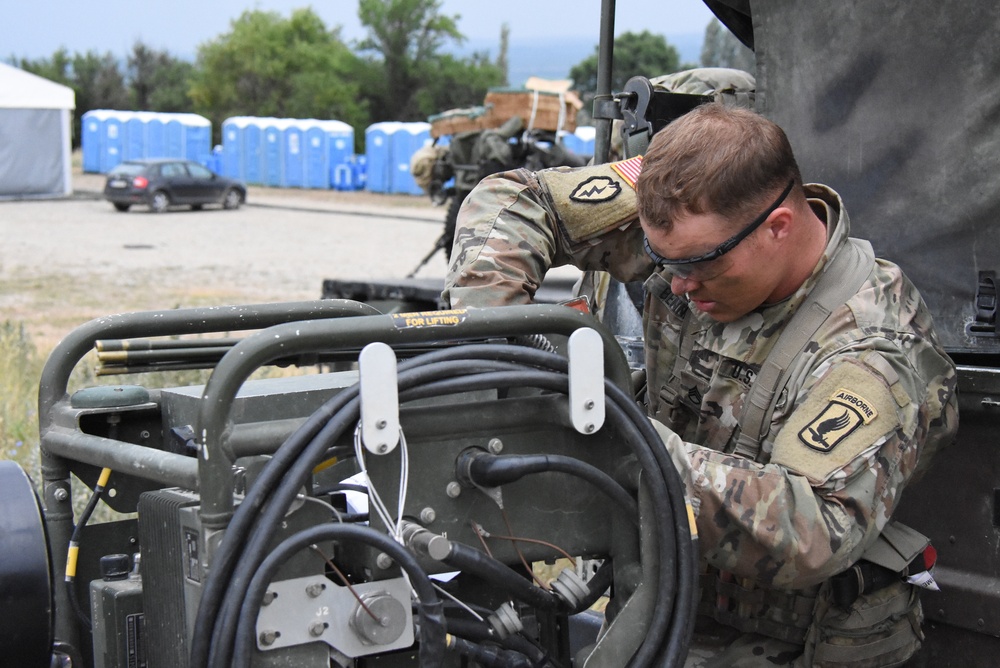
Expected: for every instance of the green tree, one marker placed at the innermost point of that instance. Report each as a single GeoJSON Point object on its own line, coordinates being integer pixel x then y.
{"type": "Point", "coordinates": [405, 37]}
{"type": "Point", "coordinates": [157, 81]}
{"type": "Point", "coordinates": [722, 49]}
{"type": "Point", "coordinates": [457, 83]}
{"type": "Point", "coordinates": [271, 66]}
{"type": "Point", "coordinates": [636, 54]}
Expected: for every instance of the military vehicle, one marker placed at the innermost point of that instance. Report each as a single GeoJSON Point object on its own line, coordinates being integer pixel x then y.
{"type": "Point", "coordinates": [378, 513]}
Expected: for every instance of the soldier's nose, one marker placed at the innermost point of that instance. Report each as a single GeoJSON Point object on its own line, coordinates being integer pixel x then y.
{"type": "Point", "coordinates": [679, 285]}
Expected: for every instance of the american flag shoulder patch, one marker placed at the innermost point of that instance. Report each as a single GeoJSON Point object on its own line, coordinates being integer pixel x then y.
{"type": "Point", "coordinates": [629, 169]}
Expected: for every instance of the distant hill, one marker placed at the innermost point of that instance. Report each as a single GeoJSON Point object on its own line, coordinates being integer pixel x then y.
{"type": "Point", "coordinates": [552, 59]}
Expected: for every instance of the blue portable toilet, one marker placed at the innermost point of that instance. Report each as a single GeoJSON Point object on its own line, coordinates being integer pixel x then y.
{"type": "Point", "coordinates": [294, 153]}
{"type": "Point", "coordinates": [174, 137]}
{"type": "Point", "coordinates": [407, 140]}
{"type": "Point", "coordinates": [350, 174]}
{"type": "Point", "coordinates": [253, 150]}
{"type": "Point", "coordinates": [317, 158]}
{"type": "Point", "coordinates": [136, 126]}
{"type": "Point", "coordinates": [378, 155]}
{"type": "Point", "coordinates": [196, 141]}
{"type": "Point", "coordinates": [340, 151]}
{"type": "Point", "coordinates": [92, 139]}
{"type": "Point", "coordinates": [272, 170]}
{"type": "Point", "coordinates": [112, 140]}
{"type": "Point", "coordinates": [233, 156]}
{"type": "Point", "coordinates": [156, 136]}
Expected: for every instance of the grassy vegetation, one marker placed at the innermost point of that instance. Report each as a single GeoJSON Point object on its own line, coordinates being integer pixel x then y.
{"type": "Point", "coordinates": [20, 368]}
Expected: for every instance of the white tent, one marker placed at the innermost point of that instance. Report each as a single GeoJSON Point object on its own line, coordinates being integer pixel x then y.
{"type": "Point", "coordinates": [35, 130]}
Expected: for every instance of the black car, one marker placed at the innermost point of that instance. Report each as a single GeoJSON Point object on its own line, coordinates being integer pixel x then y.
{"type": "Point", "coordinates": [162, 182]}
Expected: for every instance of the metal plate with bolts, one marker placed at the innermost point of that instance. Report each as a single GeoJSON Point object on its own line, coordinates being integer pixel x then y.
{"type": "Point", "coordinates": [311, 609]}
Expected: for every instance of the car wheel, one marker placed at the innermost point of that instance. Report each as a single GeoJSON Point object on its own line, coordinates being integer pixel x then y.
{"type": "Point", "coordinates": [232, 199]}
{"type": "Point", "coordinates": [159, 202]}
{"type": "Point", "coordinates": [122, 207]}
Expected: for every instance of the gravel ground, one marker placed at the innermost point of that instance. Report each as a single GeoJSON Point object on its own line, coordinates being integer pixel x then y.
{"type": "Point", "coordinates": [64, 262]}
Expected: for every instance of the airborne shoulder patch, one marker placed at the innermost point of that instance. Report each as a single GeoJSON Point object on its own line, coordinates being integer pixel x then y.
{"type": "Point", "coordinates": [596, 189]}
{"type": "Point", "coordinates": [848, 411]}
{"type": "Point", "coordinates": [845, 412]}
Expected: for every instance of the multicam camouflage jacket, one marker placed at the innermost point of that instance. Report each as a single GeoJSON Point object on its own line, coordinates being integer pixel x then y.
{"type": "Point", "coordinates": [867, 404]}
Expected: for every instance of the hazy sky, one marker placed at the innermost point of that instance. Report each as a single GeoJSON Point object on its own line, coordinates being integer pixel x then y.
{"type": "Point", "coordinates": [37, 28]}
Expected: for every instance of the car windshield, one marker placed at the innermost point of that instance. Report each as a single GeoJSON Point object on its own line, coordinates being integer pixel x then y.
{"type": "Point", "coordinates": [127, 169]}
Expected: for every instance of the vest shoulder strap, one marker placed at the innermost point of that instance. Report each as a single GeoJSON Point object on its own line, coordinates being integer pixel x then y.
{"type": "Point", "coordinates": [841, 279]}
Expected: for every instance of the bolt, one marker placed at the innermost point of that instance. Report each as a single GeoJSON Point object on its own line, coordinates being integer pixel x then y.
{"type": "Point", "coordinates": [981, 622]}
{"type": "Point", "coordinates": [143, 434]}
{"type": "Point", "coordinates": [314, 590]}
{"type": "Point", "coordinates": [268, 637]}
{"type": "Point", "coordinates": [495, 446]}
{"type": "Point", "coordinates": [383, 561]}
{"type": "Point", "coordinates": [382, 447]}
{"type": "Point", "coordinates": [589, 428]}
{"type": "Point", "coordinates": [269, 598]}
{"type": "Point", "coordinates": [61, 494]}
{"type": "Point", "coordinates": [588, 404]}
{"type": "Point", "coordinates": [427, 515]}
{"type": "Point", "coordinates": [453, 490]}
{"type": "Point", "coordinates": [381, 424]}
{"type": "Point", "coordinates": [317, 628]}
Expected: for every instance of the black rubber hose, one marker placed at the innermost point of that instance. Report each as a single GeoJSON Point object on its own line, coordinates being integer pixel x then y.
{"type": "Point", "coordinates": [494, 470]}
{"type": "Point", "coordinates": [597, 585]}
{"type": "Point", "coordinates": [430, 610]}
{"type": "Point", "coordinates": [489, 656]}
{"type": "Point", "coordinates": [467, 559]}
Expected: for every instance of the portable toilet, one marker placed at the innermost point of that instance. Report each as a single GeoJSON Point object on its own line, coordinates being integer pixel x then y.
{"type": "Point", "coordinates": [156, 136]}
{"type": "Point", "coordinates": [294, 153]}
{"type": "Point", "coordinates": [136, 126]}
{"type": "Point", "coordinates": [92, 139]}
{"type": "Point", "coordinates": [407, 140]}
{"type": "Point", "coordinates": [253, 150]}
{"type": "Point", "coordinates": [273, 172]}
{"type": "Point", "coordinates": [197, 137]}
{"type": "Point", "coordinates": [586, 135]}
{"type": "Point", "coordinates": [317, 156]}
{"type": "Point", "coordinates": [112, 140]}
{"type": "Point", "coordinates": [378, 155]}
{"type": "Point", "coordinates": [233, 156]}
{"type": "Point", "coordinates": [341, 144]}
{"type": "Point", "coordinates": [174, 137]}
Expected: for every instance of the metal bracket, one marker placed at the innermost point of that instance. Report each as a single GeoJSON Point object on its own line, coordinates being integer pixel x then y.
{"type": "Point", "coordinates": [379, 398]}
{"type": "Point", "coordinates": [586, 380]}
{"type": "Point", "coordinates": [314, 609]}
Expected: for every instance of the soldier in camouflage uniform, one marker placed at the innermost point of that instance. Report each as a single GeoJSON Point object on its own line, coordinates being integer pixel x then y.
{"type": "Point", "coordinates": [786, 508]}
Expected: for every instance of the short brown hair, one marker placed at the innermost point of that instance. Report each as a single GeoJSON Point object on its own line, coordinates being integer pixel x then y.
{"type": "Point", "coordinates": [714, 159]}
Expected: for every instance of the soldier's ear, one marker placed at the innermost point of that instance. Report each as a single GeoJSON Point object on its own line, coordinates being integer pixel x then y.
{"type": "Point", "coordinates": [779, 224]}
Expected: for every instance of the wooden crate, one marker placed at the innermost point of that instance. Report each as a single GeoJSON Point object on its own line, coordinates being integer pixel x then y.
{"type": "Point", "coordinates": [540, 110]}
{"type": "Point", "coordinates": [454, 121]}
